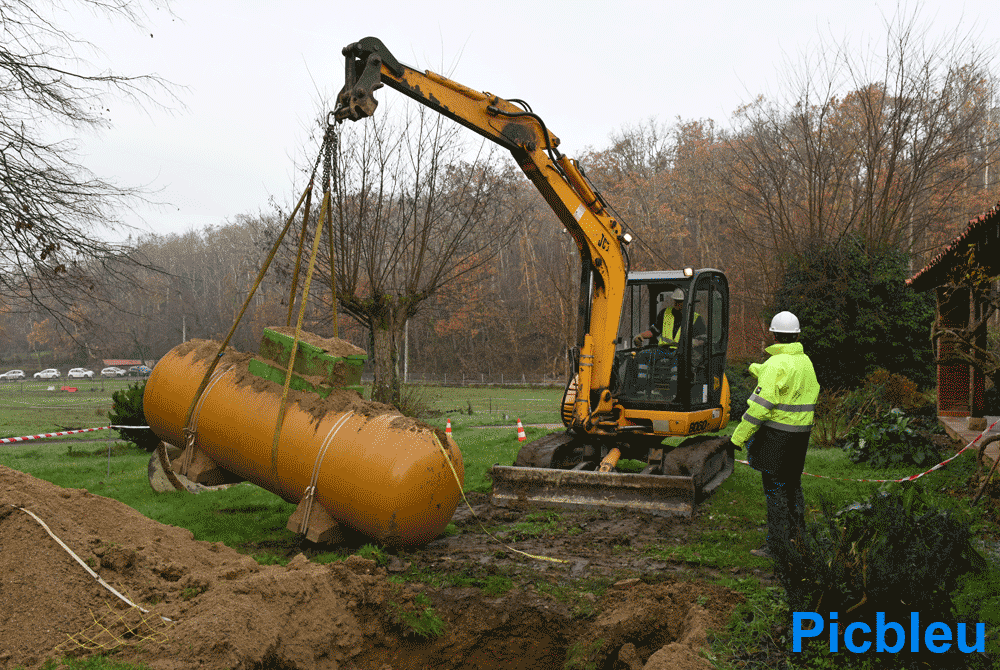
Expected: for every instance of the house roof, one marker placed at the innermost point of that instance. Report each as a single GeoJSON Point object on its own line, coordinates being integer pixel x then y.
{"type": "Point", "coordinates": [982, 233]}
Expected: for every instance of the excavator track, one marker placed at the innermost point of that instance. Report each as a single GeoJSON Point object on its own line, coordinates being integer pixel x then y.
{"type": "Point", "coordinates": [547, 451]}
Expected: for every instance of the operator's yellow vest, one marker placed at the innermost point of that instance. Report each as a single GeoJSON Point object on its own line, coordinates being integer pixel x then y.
{"type": "Point", "coordinates": [667, 329]}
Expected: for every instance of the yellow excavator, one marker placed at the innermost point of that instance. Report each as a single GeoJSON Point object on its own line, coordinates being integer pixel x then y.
{"type": "Point", "coordinates": [626, 396]}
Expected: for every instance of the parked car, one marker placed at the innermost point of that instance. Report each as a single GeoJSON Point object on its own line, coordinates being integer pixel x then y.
{"type": "Point", "coordinates": [138, 371]}
{"type": "Point", "coordinates": [48, 373]}
{"type": "Point", "coordinates": [80, 373]}
{"type": "Point", "coordinates": [12, 374]}
{"type": "Point", "coordinates": [112, 372]}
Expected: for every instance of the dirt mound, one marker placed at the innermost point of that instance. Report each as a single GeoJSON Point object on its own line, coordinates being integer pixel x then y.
{"type": "Point", "coordinates": [226, 611]}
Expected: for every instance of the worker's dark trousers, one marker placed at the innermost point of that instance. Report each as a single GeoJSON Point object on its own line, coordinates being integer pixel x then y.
{"type": "Point", "coordinates": [785, 511]}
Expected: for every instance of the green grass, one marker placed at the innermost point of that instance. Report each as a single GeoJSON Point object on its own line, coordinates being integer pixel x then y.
{"type": "Point", "coordinates": [482, 448]}
{"type": "Point", "coordinates": [419, 619]}
{"type": "Point", "coordinates": [91, 663]}
{"type": "Point", "coordinates": [493, 406]}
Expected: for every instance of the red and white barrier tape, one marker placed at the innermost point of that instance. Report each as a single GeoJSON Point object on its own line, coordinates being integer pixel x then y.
{"type": "Point", "coordinates": [42, 436]}
{"type": "Point", "coordinates": [904, 479]}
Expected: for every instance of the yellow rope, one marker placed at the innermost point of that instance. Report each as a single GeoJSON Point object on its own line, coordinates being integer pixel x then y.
{"type": "Point", "coordinates": [333, 275]}
{"type": "Point", "coordinates": [447, 458]}
{"type": "Point", "coordinates": [298, 261]}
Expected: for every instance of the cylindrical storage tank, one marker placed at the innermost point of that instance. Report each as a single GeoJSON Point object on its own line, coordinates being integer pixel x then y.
{"type": "Point", "coordinates": [376, 471]}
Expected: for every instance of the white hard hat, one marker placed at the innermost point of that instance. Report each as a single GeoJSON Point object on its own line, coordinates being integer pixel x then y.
{"type": "Point", "coordinates": [785, 322]}
{"type": "Point", "coordinates": [678, 294]}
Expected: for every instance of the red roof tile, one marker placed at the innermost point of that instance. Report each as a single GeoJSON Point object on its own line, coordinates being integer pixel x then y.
{"type": "Point", "coordinates": [984, 229]}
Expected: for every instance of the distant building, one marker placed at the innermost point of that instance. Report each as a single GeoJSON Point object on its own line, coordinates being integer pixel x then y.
{"type": "Point", "coordinates": [120, 362]}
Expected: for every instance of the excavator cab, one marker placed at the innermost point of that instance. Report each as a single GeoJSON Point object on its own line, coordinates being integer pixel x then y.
{"type": "Point", "coordinates": [682, 370]}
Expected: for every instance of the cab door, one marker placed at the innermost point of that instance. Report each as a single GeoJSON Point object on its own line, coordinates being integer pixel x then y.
{"type": "Point", "coordinates": [707, 324]}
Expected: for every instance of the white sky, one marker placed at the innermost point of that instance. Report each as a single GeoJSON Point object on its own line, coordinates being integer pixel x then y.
{"type": "Point", "coordinates": [254, 70]}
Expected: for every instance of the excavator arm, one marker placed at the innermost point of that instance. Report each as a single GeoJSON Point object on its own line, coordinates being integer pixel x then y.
{"type": "Point", "coordinates": [599, 237]}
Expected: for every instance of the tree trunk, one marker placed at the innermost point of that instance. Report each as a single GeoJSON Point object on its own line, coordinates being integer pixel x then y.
{"type": "Point", "coordinates": [387, 333]}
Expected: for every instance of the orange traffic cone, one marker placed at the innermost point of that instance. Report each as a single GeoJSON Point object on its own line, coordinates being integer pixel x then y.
{"type": "Point", "coordinates": [447, 428]}
{"type": "Point", "coordinates": [521, 437]}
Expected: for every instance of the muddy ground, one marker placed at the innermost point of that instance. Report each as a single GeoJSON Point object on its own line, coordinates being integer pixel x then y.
{"type": "Point", "coordinates": [212, 607]}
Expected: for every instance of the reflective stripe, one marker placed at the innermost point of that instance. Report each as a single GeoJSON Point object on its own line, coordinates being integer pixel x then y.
{"type": "Point", "coordinates": [788, 428]}
{"type": "Point", "coordinates": [767, 404]}
{"type": "Point", "coordinates": [777, 425]}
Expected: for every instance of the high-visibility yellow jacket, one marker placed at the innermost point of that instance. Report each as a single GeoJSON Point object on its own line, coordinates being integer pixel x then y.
{"type": "Point", "coordinates": [665, 334]}
{"type": "Point", "coordinates": [786, 394]}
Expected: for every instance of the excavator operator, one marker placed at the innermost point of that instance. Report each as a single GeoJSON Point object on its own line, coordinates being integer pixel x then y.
{"type": "Point", "coordinates": [666, 329]}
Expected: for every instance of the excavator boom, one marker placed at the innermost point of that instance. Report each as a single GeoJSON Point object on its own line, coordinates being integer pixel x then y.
{"type": "Point", "coordinates": [599, 237]}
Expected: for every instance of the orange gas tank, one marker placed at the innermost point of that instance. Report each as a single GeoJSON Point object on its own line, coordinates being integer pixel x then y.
{"type": "Point", "coordinates": [375, 470]}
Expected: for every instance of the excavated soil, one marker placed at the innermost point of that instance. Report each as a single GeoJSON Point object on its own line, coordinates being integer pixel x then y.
{"type": "Point", "coordinates": [212, 607]}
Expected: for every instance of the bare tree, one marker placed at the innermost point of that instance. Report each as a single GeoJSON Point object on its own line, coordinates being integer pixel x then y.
{"type": "Point", "coordinates": [51, 206]}
{"type": "Point", "coordinates": [415, 210]}
{"type": "Point", "coordinates": [634, 173]}
{"type": "Point", "coordinates": [886, 148]}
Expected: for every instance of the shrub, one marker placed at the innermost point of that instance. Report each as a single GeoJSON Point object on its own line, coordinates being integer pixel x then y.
{"type": "Point", "coordinates": [830, 420]}
{"type": "Point", "coordinates": [888, 441]}
{"type": "Point", "coordinates": [838, 412]}
{"type": "Point", "coordinates": [127, 411]}
{"type": "Point", "coordinates": [892, 553]}
{"type": "Point", "coordinates": [413, 401]}
{"type": "Point", "coordinates": [741, 387]}
{"type": "Point", "coordinates": [882, 391]}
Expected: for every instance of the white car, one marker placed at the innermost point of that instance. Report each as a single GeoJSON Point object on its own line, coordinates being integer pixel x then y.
{"type": "Point", "coordinates": [80, 373]}
{"type": "Point", "coordinates": [13, 374]}
{"type": "Point", "coordinates": [112, 372]}
{"type": "Point", "coordinates": [49, 373]}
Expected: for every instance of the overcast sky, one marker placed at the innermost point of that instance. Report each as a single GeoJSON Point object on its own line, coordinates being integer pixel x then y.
{"type": "Point", "coordinates": [253, 71]}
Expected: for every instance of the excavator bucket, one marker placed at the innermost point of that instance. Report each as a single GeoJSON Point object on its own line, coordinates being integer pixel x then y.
{"type": "Point", "coordinates": [701, 468]}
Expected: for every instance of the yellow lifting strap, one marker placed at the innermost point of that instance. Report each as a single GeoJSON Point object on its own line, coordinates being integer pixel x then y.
{"type": "Point", "coordinates": [298, 334]}
{"type": "Point", "coordinates": [329, 178]}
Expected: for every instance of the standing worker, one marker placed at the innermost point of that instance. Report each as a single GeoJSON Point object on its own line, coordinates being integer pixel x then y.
{"type": "Point", "coordinates": [776, 428]}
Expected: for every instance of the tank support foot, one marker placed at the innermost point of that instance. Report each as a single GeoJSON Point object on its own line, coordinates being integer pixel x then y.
{"type": "Point", "coordinates": [163, 478]}
{"type": "Point", "coordinates": [199, 468]}
{"type": "Point", "coordinates": [320, 527]}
